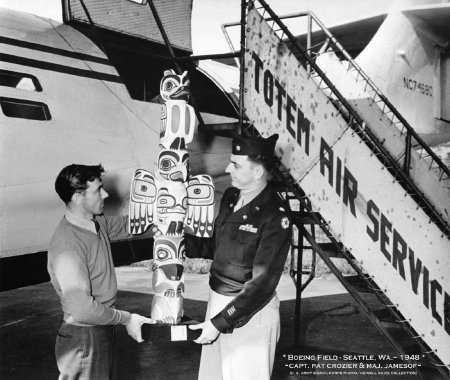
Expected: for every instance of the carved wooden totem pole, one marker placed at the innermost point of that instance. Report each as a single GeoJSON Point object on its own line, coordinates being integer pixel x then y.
{"type": "Point", "coordinates": [172, 200]}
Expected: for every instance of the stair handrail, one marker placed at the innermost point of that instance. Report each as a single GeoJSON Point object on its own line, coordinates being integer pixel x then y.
{"type": "Point", "coordinates": [409, 130]}
{"type": "Point", "coordinates": [356, 123]}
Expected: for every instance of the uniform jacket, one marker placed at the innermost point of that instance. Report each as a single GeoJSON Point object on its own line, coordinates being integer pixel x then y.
{"type": "Point", "coordinates": [249, 248]}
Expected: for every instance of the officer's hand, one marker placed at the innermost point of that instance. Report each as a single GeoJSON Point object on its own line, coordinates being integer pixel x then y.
{"type": "Point", "coordinates": [134, 326]}
{"type": "Point", "coordinates": [209, 333]}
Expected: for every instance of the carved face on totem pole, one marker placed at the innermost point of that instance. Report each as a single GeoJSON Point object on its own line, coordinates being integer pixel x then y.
{"type": "Point", "coordinates": [169, 251]}
{"type": "Point", "coordinates": [173, 165]}
{"type": "Point", "coordinates": [171, 205]}
{"type": "Point", "coordinates": [172, 201]}
{"type": "Point", "coordinates": [168, 278]}
{"type": "Point", "coordinates": [174, 87]}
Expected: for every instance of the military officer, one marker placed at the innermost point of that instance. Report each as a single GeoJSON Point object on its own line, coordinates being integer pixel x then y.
{"type": "Point", "coordinates": [249, 247]}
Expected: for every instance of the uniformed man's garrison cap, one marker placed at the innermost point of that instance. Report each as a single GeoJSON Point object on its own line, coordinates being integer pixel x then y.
{"type": "Point", "coordinates": [254, 145]}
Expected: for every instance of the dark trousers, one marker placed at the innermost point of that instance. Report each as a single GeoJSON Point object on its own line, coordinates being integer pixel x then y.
{"type": "Point", "coordinates": [85, 353]}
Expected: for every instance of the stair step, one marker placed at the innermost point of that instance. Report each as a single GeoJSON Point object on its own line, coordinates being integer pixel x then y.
{"type": "Point", "coordinates": [385, 316]}
{"type": "Point", "coordinates": [359, 284]}
{"type": "Point", "coordinates": [330, 249]}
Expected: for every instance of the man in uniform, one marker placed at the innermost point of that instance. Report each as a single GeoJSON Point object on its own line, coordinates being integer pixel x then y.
{"type": "Point", "coordinates": [249, 247]}
{"type": "Point", "coordinates": [82, 272]}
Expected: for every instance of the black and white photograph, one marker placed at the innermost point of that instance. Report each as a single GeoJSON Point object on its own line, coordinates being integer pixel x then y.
{"type": "Point", "coordinates": [225, 190]}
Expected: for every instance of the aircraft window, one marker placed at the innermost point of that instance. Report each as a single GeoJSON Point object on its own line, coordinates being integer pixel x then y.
{"type": "Point", "coordinates": [19, 80]}
{"type": "Point", "coordinates": [24, 109]}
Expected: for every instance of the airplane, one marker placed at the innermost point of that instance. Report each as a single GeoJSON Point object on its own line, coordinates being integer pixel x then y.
{"type": "Point", "coordinates": [73, 92]}
{"type": "Point", "coordinates": [404, 51]}
{"type": "Point", "coordinates": [45, 124]}
{"type": "Point", "coordinates": [408, 60]}
{"type": "Point", "coordinates": [64, 100]}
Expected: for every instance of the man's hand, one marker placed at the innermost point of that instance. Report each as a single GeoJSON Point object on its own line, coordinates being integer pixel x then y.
{"type": "Point", "coordinates": [134, 326]}
{"type": "Point", "coordinates": [209, 333]}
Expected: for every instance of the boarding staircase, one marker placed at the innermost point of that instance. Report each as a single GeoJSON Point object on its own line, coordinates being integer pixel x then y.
{"type": "Point", "coordinates": [390, 149]}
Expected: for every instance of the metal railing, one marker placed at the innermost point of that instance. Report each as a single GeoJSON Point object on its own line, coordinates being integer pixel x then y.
{"type": "Point", "coordinates": [358, 126]}
{"type": "Point", "coordinates": [354, 121]}
{"type": "Point", "coordinates": [386, 107]}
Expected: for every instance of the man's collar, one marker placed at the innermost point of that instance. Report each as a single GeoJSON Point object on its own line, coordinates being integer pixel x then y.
{"type": "Point", "coordinates": [258, 203]}
{"type": "Point", "coordinates": [265, 196]}
{"type": "Point", "coordinates": [86, 224]}
{"type": "Point", "coordinates": [257, 189]}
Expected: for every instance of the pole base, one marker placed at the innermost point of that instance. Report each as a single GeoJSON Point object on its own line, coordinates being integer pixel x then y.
{"type": "Point", "coordinates": [162, 332]}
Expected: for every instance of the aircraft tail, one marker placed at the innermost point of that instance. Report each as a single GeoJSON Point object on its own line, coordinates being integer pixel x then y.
{"type": "Point", "coordinates": [408, 60]}
{"type": "Point", "coordinates": [408, 150]}
{"type": "Point", "coordinates": [355, 165]}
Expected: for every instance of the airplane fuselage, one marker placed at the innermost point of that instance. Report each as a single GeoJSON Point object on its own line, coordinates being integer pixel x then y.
{"type": "Point", "coordinates": [69, 107]}
{"type": "Point", "coordinates": [63, 102]}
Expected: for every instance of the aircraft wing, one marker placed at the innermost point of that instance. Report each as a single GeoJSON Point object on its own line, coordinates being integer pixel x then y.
{"type": "Point", "coordinates": [134, 19]}
{"type": "Point", "coordinates": [353, 35]}
{"type": "Point", "coordinates": [435, 19]}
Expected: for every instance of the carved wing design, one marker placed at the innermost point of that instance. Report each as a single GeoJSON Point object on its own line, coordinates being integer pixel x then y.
{"type": "Point", "coordinates": [200, 211]}
{"type": "Point", "coordinates": [142, 202]}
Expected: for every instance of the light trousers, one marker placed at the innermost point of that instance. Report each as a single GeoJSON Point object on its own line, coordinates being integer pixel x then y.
{"type": "Point", "coordinates": [247, 353]}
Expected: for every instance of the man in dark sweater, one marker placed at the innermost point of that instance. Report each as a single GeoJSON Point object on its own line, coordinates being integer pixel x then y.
{"type": "Point", "coordinates": [82, 272]}
{"type": "Point", "coordinates": [250, 245]}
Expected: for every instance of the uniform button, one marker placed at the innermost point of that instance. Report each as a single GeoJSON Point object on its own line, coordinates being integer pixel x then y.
{"type": "Point", "coordinates": [244, 217]}
{"type": "Point", "coordinates": [231, 205]}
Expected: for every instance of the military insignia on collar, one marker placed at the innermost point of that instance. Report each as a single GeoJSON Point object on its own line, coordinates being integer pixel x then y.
{"type": "Point", "coordinates": [284, 222]}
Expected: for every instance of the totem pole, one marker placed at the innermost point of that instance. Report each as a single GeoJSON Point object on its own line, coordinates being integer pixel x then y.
{"type": "Point", "coordinates": [171, 200]}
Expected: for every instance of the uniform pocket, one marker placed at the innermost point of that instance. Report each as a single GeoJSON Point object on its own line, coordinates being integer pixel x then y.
{"type": "Point", "coordinates": [245, 248]}
{"type": "Point", "coordinates": [241, 257]}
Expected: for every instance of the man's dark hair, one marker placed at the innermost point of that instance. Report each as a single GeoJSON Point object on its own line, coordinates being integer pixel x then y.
{"type": "Point", "coordinates": [74, 178]}
{"type": "Point", "coordinates": [269, 162]}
